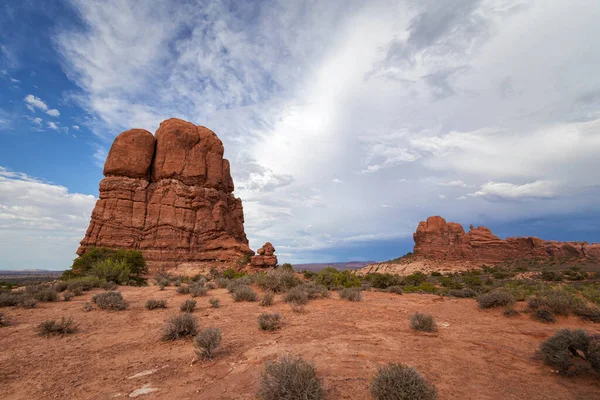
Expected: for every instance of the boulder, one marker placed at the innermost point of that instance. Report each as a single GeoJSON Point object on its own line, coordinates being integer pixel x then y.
{"type": "Point", "coordinates": [266, 257]}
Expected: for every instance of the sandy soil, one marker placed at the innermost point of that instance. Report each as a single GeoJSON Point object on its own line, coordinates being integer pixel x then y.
{"type": "Point", "coordinates": [475, 355]}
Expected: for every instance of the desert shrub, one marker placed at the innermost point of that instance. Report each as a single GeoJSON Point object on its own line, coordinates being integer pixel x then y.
{"type": "Point", "coordinates": [308, 274]}
{"type": "Point", "coordinates": [450, 283]}
{"type": "Point", "coordinates": [199, 279]}
{"type": "Point", "coordinates": [183, 289]}
{"type": "Point", "coordinates": [112, 301]}
{"type": "Point", "coordinates": [415, 279]}
{"type": "Point", "coordinates": [230, 273]}
{"type": "Point", "coordinates": [383, 281]}
{"type": "Point", "coordinates": [131, 259]}
{"type": "Point", "coordinates": [543, 315]}
{"type": "Point", "coordinates": [296, 295]}
{"type": "Point", "coordinates": [565, 346]}
{"type": "Point", "coordinates": [46, 294]}
{"type": "Point", "coordinates": [111, 269]}
{"type": "Point", "coordinates": [422, 322]}
{"type": "Point", "coordinates": [68, 296]}
{"type": "Point", "coordinates": [110, 285]}
{"type": "Point", "coordinates": [395, 289]}
{"type": "Point", "coordinates": [188, 306]}
{"type": "Point", "coordinates": [556, 300]}
{"type": "Point", "coordinates": [177, 282]}
{"type": "Point", "coordinates": [214, 302]}
{"type": "Point", "coordinates": [28, 302]}
{"type": "Point", "coordinates": [60, 286]}
{"type": "Point", "coordinates": [180, 326]}
{"type": "Point", "coordinates": [236, 283]}
{"type": "Point", "coordinates": [290, 378]}
{"type": "Point", "coordinates": [84, 283]}
{"type": "Point", "coordinates": [351, 294]}
{"type": "Point", "coordinates": [9, 299]}
{"type": "Point", "coordinates": [553, 276]}
{"type": "Point", "coordinates": [77, 291]}
{"type": "Point", "coordinates": [286, 267]}
{"type": "Point", "coordinates": [590, 313]}
{"type": "Point", "coordinates": [244, 293]}
{"type": "Point", "coordinates": [222, 282]}
{"type": "Point", "coordinates": [399, 382]}
{"type": "Point", "coordinates": [161, 286]}
{"type": "Point", "coordinates": [279, 280]}
{"type": "Point", "coordinates": [472, 280]}
{"type": "Point", "coordinates": [332, 278]}
{"type": "Point", "coordinates": [436, 273]}
{"type": "Point", "coordinates": [591, 291]}
{"type": "Point", "coordinates": [462, 293]}
{"type": "Point", "coordinates": [297, 308]}
{"type": "Point", "coordinates": [314, 290]}
{"type": "Point", "coordinates": [87, 307]}
{"type": "Point", "coordinates": [497, 298]}
{"type": "Point", "coordinates": [52, 327]}
{"type": "Point", "coordinates": [198, 290]}
{"type": "Point", "coordinates": [153, 304]}
{"type": "Point", "coordinates": [510, 312]}
{"type": "Point", "coordinates": [423, 287]}
{"type": "Point", "coordinates": [210, 285]}
{"type": "Point", "coordinates": [267, 299]}
{"type": "Point", "coordinates": [4, 320]}
{"type": "Point", "coordinates": [207, 341]}
{"type": "Point", "coordinates": [269, 322]}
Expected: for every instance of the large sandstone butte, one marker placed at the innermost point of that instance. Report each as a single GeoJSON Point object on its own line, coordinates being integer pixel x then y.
{"type": "Point", "coordinates": [438, 239]}
{"type": "Point", "coordinates": [170, 196]}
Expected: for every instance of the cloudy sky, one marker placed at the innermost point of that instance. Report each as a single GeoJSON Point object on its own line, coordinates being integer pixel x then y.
{"type": "Point", "coordinates": [346, 122]}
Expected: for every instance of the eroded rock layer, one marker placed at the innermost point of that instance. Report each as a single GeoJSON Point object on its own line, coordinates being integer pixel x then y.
{"type": "Point", "coordinates": [438, 239]}
{"type": "Point", "coordinates": [170, 196]}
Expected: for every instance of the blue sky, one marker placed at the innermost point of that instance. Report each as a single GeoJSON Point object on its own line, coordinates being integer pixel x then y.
{"type": "Point", "coordinates": [346, 122]}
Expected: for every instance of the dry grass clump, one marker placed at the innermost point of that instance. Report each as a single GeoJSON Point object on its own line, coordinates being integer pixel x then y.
{"type": "Point", "coordinates": [52, 327]}
{"type": "Point", "coordinates": [498, 298]}
{"type": "Point", "coordinates": [68, 296]}
{"type": "Point", "coordinates": [198, 290]}
{"type": "Point", "coordinates": [296, 295]}
{"type": "Point", "coordinates": [399, 382]}
{"type": "Point", "coordinates": [214, 302]}
{"type": "Point", "coordinates": [268, 299]}
{"type": "Point", "coordinates": [279, 280]}
{"type": "Point", "coordinates": [183, 289]}
{"type": "Point", "coordinates": [154, 304]}
{"type": "Point", "coordinates": [314, 290]}
{"type": "Point", "coordinates": [351, 294]}
{"type": "Point", "coordinates": [511, 312]}
{"type": "Point", "coordinates": [423, 322]}
{"type": "Point", "coordinates": [45, 294]}
{"type": "Point", "coordinates": [543, 315]}
{"type": "Point", "coordinates": [19, 299]}
{"type": "Point", "coordinates": [188, 306]}
{"type": "Point", "coordinates": [394, 289]}
{"type": "Point", "coordinates": [4, 320]}
{"type": "Point", "coordinates": [222, 282]}
{"type": "Point", "coordinates": [568, 350]}
{"type": "Point", "coordinates": [87, 307]}
{"type": "Point", "coordinates": [207, 341]}
{"type": "Point", "coordinates": [180, 326]}
{"type": "Point", "coordinates": [269, 322]}
{"type": "Point", "coordinates": [466, 293]}
{"type": "Point", "coordinates": [112, 301]}
{"type": "Point", "coordinates": [290, 378]}
{"type": "Point", "coordinates": [244, 293]}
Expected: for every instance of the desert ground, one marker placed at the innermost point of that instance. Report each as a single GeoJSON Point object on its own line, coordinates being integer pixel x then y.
{"type": "Point", "coordinates": [476, 354]}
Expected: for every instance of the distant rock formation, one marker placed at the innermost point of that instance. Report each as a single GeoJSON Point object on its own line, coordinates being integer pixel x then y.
{"type": "Point", "coordinates": [438, 239]}
{"type": "Point", "coordinates": [266, 257]}
{"type": "Point", "coordinates": [170, 196]}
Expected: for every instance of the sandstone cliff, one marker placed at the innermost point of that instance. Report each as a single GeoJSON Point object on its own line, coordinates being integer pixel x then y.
{"type": "Point", "coordinates": [170, 196]}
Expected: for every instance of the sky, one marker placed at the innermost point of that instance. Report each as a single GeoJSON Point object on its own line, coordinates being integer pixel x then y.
{"type": "Point", "coordinates": [346, 122]}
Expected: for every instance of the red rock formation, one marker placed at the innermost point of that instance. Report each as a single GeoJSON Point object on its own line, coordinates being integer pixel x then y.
{"type": "Point", "coordinates": [438, 239]}
{"type": "Point", "coordinates": [266, 257]}
{"type": "Point", "coordinates": [169, 195]}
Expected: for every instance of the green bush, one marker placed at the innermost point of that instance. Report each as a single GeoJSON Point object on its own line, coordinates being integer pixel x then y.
{"type": "Point", "coordinates": [557, 300]}
{"type": "Point", "coordinates": [423, 287]}
{"type": "Point", "coordinates": [267, 299]}
{"type": "Point", "coordinates": [53, 327]}
{"type": "Point", "coordinates": [463, 293]}
{"type": "Point", "coordinates": [496, 298]}
{"type": "Point", "coordinates": [423, 322]}
{"type": "Point", "coordinates": [154, 304]}
{"type": "Point", "coordinates": [279, 280]}
{"type": "Point", "coordinates": [244, 293]}
{"type": "Point", "coordinates": [286, 267]}
{"type": "Point", "coordinates": [180, 326]}
{"type": "Point", "coordinates": [552, 276]}
{"type": "Point", "coordinates": [415, 279]}
{"type": "Point", "coordinates": [290, 378]}
{"type": "Point", "coordinates": [566, 345]}
{"type": "Point", "coordinates": [110, 269]}
{"type": "Point", "coordinates": [399, 382]}
{"type": "Point", "coordinates": [332, 278]}
{"type": "Point", "coordinates": [269, 322]}
{"type": "Point", "coordinates": [383, 281]}
{"type": "Point", "coordinates": [296, 295]}
{"type": "Point", "coordinates": [214, 302]}
{"type": "Point", "coordinates": [543, 315]}
{"type": "Point", "coordinates": [351, 294]}
{"type": "Point", "coordinates": [188, 306]}
{"type": "Point", "coordinates": [112, 301]}
{"type": "Point", "coordinates": [230, 273]}
{"type": "Point", "coordinates": [450, 283]}
{"type": "Point", "coordinates": [47, 294]}
{"type": "Point", "coordinates": [206, 342]}
{"type": "Point", "coordinates": [84, 264]}
{"type": "Point", "coordinates": [510, 312]}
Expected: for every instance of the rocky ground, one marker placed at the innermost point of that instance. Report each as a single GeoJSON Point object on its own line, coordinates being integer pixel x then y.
{"type": "Point", "coordinates": [475, 355]}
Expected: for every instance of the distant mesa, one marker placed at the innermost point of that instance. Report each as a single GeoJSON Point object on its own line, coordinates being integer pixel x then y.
{"type": "Point", "coordinates": [169, 195]}
{"type": "Point", "coordinates": [441, 240]}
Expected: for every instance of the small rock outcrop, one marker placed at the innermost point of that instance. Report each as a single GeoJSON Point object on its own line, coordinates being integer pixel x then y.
{"type": "Point", "coordinates": [266, 257]}
{"type": "Point", "coordinates": [169, 195]}
{"type": "Point", "coordinates": [438, 239]}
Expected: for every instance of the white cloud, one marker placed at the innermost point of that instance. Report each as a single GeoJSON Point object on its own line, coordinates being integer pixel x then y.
{"type": "Point", "coordinates": [53, 113]}
{"type": "Point", "coordinates": [13, 80]}
{"type": "Point", "coordinates": [394, 98]}
{"type": "Point", "coordinates": [53, 125]}
{"type": "Point", "coordinates": [40, 223]}
{"type": "Point", "coordinates": [37, 121]}
{"type": "Point", "coordinates": [76, 127]}
{"type": "Point", "coordinates": [336, 180]}
{"type": "Point", "coordinates": [34, 102]}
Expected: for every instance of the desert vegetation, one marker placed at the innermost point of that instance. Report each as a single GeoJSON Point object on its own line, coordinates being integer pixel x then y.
{"type": "Point", "coordinates": [568, 349]}
{"type": "Point", "coordinates": [180, 326]}
{"type": "Point", "coordinates": [207, 341]}
{"type": "Point", "coordinates": [188, 306]}
{"type": "Point", "coordinates": [111, 301]}
{"type": "Point", "coordinates": [53, 327]}
{"type": "Point", "coordinates": [154, 304]}
{"type": "Point", "coordinates": [423, 322]}
{"type": "Point", "coordinates": [291, 377]}
{"type": "Point", "coordinates": [400, 382]}
{"type": "Point", "coordinates": [269, 322]}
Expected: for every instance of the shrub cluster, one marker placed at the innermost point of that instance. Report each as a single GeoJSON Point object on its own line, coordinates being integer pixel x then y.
{"type": "Point", "coordinates": [399, 382]}
{"type": "Point", "coordinates": [188, 306]}
{"type": "Point", "coordinates": [207, 341]}
{"type": "Point", "coordinates": [3, 320]}
{"type": "Point", "coordinates": [423, 322]}
{"type": "Point", "coordinates": [214, 302]}
{"type": "Point", "coordinates": [19, 299]}
{"type": "Point", "coordinates": [383, 281]}
{"type": "Point", "coordinates": [180, 326]}
{"type": "Point", "coordinates": [267, 299]}
{"type": "Point", "coordinates": [112, 301]}
{"type": "Point", "coordinates": [154, 304]}
{"type": "Point", "coordinates": [198, 289]}
{"type": "Point", "coordinates": [269, 322]}
{"type": "Point", "coordinates": [497, 298]}
{"type": "Point", "coordinates": [279, 280]}
{"type": "Point", "coordinates": [463, 293]}
{"type": "Point", "coordinates": [244, 293]}
{"type": "Point", "coordinates": [296, 295]}
{"type": "Point", "coordinates": [331, 278]}
{"type": "Point", "coordinates": [68, 296]}
{"type": "Point", "coordinates": [566, 345]}
{"type": "Point", "coordinates": [351, 294]}
{"type": "Point", "coordinates": [120, 266]}
{"type": "Point", "coordinates": [53, 327]}
{"type": "Point", "coordinates": [395, 289]}
{"type": "Point", "coordinates": [290, 378]}
{"type": "Point", "coordinates": [45, 294]}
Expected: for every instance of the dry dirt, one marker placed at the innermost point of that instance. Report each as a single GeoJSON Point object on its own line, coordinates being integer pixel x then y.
{"type": "Point", "coordinates": [475, 355]}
